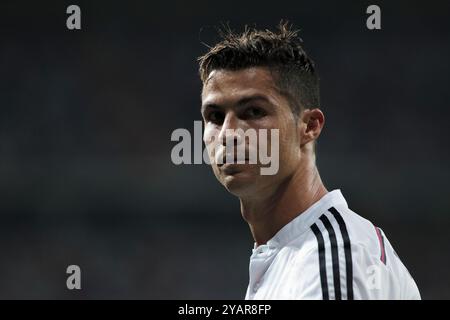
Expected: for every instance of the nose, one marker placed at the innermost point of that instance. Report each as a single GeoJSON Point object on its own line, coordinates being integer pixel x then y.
{"type": "Point", "coordinates": [228, 133]}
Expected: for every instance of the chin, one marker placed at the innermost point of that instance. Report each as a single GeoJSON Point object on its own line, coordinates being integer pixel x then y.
{"type": "Point", "coordinates": [240, 183]}
{"type": "Point", "coordinates": [239, 190]}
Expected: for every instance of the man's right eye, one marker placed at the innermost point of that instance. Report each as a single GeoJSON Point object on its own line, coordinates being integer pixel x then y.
{"type": "Point", "coordinates": [216, 117]}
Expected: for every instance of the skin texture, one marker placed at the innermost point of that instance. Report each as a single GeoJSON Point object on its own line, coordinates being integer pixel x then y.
{"type": "Point", "coordinates": [268, 202]}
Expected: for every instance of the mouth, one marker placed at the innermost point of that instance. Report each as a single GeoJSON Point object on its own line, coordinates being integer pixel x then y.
{"type": "Point", "coordinates": [233, 167]}
{"type": "Point", "coordinates": [236, 160]}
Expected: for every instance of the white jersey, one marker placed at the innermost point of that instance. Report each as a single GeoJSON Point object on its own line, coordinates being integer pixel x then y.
{"type": "Point", "coordinates": [329, 252]}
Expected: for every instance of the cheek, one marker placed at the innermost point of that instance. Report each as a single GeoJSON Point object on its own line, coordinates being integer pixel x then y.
{"type": "Point", "coordinates": [289, 145]}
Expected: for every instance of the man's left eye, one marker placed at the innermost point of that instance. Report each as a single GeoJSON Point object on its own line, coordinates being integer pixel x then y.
{"type": "Point", "coordinates": [254, 112]}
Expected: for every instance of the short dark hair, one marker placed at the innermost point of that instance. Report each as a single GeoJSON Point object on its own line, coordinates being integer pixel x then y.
{"type": "Point", "coordinates": [281, 51]}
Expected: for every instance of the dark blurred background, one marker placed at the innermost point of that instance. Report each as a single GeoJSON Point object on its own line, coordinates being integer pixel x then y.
{"type": "Point", "coordinates": [86, 117]}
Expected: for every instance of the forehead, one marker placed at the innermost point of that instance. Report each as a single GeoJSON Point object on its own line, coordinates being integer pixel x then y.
{"type": "Point", "coordinates": [230, 85]}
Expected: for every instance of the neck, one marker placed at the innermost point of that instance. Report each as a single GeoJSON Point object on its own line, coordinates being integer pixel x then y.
{"type": "Point", "coordinates": [267, 215]}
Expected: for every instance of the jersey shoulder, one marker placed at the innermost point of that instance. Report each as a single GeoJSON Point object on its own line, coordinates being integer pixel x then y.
{"type": "Point", "coordinates": [353, 260]}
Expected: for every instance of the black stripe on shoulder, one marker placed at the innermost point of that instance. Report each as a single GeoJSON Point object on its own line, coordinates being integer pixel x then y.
{"type": "Point", "coordinates": [322, 266]}
{"type": "Point", "coordinates": [334, 257]}
{"type": "Point", "coordinates": [347, 250]}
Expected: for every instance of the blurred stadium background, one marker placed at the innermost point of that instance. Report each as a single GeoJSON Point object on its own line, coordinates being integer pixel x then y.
{"type": "Point", "coordinates": [85, 124]}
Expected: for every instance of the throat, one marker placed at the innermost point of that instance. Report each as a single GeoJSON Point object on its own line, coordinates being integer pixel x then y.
{"type": "Point", "coordinates": [266, 215]}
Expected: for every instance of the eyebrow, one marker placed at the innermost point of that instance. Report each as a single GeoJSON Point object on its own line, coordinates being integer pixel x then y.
{"type": "Point", "coordinates": [241, 102]}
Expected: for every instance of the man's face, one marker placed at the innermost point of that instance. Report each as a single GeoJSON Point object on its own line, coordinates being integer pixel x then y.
{"type": "Point", "coordinates": [248, 99]}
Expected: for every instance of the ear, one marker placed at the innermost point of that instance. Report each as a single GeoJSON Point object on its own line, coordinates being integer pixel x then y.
{"type": "Point", "coordinates": [313, 121]}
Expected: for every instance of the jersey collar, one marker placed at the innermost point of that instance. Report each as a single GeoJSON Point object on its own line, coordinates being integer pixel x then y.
{"type": "Point", "coordinates": [303, 221]}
